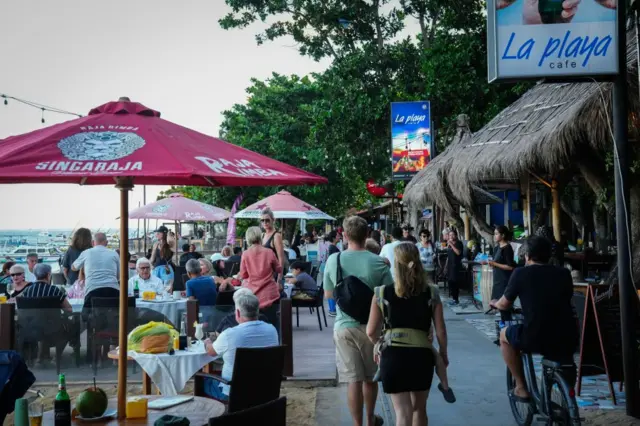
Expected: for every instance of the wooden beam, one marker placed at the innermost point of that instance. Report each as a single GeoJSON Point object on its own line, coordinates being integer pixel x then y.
{"type": "Point", "coordinates": [286, 335]}
{"type": "Point", "coordinates": [555, 210]}
{"type": "Point", "coordinates": [467, 225]}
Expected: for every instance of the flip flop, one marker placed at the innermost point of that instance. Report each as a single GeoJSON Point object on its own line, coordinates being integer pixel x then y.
{"type": "Point", "coordinates": [379, 421]}
{"type": "Point", "coordinates": [524, 400]}
{"type": "Point", "coordinates": [448, 394]}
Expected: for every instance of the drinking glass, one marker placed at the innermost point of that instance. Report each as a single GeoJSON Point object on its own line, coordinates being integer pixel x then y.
{"type": "Point", "coordinates": [35, 413]}
{"type": "Point", "coordinates": [11, 288]}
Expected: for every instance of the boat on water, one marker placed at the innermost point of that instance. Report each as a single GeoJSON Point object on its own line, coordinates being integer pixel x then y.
{"type": "Point", "coordinates": [48, 253]}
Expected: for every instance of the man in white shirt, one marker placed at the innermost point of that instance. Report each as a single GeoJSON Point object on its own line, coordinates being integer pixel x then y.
{"type": "Point", "coordinates": [32, 261]}
{"type": "Point", "coordinates": [146, 281]}
{"type": "Point", "coordinates": [249, 333]}
{"type": "Point", "coordinates": [101, 268]}
{"type": "Point", "coordinates": [387, 251]}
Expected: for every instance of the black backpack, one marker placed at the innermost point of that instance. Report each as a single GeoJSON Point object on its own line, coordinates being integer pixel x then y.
{"type": "Point", "coordinates": [353, 296]}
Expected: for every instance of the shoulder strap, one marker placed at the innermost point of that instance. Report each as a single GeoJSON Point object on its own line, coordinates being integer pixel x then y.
{"type": "Point", "coordinates": [338, 270]}
{"type": "Point", "coordinates": [382, 302]}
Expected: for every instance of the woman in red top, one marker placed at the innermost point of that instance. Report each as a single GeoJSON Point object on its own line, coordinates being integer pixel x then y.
{"type": "Point", "coordinates": [258, 267]}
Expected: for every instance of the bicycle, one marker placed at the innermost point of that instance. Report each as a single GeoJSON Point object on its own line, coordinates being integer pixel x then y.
{"type": "Point", "coordinates": [554, 382]}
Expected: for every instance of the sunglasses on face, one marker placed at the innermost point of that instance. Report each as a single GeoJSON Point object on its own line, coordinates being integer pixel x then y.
{"type": "Point", "coordinates": [18, 274]}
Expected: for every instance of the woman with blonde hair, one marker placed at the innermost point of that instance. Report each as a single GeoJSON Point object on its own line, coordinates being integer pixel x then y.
{"type": "Point", "coordinates": [258, 267]}
{"type": "Point", "coordinates": [210, 271]}
{"type": "Point", "coordinates": [272, 239]}
{"type": "Point", "coordinates": [407, 357]}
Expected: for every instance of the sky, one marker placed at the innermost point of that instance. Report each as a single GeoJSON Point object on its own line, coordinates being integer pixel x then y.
{"type": "Point", "coordinates": [76, 54]}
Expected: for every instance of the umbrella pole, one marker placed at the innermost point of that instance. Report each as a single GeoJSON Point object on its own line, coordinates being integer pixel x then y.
{"type": "Point", "coordinates": [124, 185]}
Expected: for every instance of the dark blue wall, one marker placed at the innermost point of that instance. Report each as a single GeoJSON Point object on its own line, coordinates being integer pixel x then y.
{"type": "Point", "coordinates": [497, 210]}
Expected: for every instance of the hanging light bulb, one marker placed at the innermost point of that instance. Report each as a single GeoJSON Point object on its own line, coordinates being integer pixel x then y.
{"type": "Point", "coordinates": [42, 117]}
{"type": "Point", "coordinates": [368, 153]}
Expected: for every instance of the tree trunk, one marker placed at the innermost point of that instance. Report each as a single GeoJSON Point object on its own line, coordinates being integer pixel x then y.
{"type": "Point", "coordinates": [480, 225]}
{"type": "Point", "coordinates": [379, 36]}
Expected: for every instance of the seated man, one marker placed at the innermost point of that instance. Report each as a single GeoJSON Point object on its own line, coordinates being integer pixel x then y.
{"type": "Point", "coordinates": [189, 252]}
{"type": "Point", "coordinates": [230, 320]}
{"type": "Point", "coordinates": [305, 285]}
{"type": "Point", "coordinates": [146, 281]}
{"type": "Point", "coordinates": [200, 287]}
{"type": "Point", "coordinates": [549, 327]}
{"type": "Point", "coordinates": [42, 287]}
{"type": "Point", "coordinates": [249, 333]}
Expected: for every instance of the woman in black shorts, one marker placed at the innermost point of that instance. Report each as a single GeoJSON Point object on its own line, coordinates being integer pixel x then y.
{"type": "Point", "coordinates": [407, 366]}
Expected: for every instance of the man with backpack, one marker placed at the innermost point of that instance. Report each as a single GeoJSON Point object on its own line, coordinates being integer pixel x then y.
{"type": "Point", "coordinates": [349, 278]}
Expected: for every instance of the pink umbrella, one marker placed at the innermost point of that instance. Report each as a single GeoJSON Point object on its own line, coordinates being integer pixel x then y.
{"type": "Point", "coordinates": [123, 143]}
{"type": "Point", "coordinates": [284, 206]}
{"type": "Point", "coordinates": [177, 207]}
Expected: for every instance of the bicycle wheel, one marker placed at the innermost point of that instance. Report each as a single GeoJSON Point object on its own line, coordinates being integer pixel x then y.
{"type": "Point", "coordinates": [563, 408]}
{"type": "Point", "coordinates": [522, 413]}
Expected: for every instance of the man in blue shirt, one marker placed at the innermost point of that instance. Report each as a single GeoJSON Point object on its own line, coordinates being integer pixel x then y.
{"type": "Point", "coordinates": [200, 287]}
{"type": "Point", "coordinates": [249, 333]}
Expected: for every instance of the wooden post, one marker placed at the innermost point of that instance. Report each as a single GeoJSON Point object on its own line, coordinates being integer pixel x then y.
{"type": "Point", "coordinates": [192, 316]}
{"type": "Point", "coordinates": [286, 336]}
{"type": "Point", "coordinates": [555, 210]}
{"type": "Point", "coordinates": [467, 225]}
{"type": "Point", "coordinates": [124, 185]}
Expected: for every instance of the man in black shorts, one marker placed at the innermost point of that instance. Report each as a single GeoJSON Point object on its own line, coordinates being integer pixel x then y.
{"type": "Point", "coordinates": [549, 327]}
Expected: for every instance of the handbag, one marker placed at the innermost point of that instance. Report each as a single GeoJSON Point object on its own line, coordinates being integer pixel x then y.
{"type": "Point", "coordinates": [352, 295]}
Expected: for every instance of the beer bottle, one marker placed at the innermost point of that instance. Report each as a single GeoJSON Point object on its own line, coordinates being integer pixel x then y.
{"type": "Point", "coordinates": [62, 404]}
{"type": "Point", "coordinates": [136, 290]}
{"type": "Point", "coordinates": [550, 11]}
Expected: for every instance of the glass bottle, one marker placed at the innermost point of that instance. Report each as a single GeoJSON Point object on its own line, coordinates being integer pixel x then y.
{"type": "Point", "coordinates": [62, 404]}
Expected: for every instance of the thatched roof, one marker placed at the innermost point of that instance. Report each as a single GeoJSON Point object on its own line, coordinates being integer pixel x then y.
{"type": "Point", "coordinates": [541, 132]}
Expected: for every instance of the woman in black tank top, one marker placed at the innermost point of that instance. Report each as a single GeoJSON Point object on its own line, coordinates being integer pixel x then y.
{"type": "Point", "coordinates": [407, 371]}
{"type": "Point", "coordinates": [272, 238]}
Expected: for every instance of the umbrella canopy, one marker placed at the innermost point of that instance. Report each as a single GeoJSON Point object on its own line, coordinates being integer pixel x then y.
{"type": "Point", "coordinates": [129, 139]}
{"type": "Point", "coordinates": [124, 143]}
{"type": "Point", "coordinates": [284, 206]}
{"type": "Point", "coordinates": [179, 208]}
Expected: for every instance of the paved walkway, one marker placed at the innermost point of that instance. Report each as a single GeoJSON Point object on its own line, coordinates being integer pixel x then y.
{"type": "Point", "coordinates": [476, 374]}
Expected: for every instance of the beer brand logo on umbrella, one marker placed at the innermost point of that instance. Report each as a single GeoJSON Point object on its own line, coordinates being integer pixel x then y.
{"type": "Point", "coordinates": [160, 209]}
{"type": "Point", "coordinates": [100, 146]}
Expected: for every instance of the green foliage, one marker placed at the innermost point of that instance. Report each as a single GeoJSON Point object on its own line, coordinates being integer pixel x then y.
{"type": "Point", "coordinates": [336, 123]}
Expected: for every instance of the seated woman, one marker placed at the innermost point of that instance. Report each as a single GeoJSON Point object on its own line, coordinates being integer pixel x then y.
{"type": "Point", "coordinates": [19, 283]}
{"type": "Point", "coordinates": [209, 270]}
{"type": "Point", "coordinates": [200, 287]}
{"type": "Point", "coordinates": [5, 277]}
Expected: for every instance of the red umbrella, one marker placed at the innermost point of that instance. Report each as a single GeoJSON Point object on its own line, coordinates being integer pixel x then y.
{"type": "Point", "coordinates": [125, 143]}
{"type": "Point", "coordinates": [127, 139]}
{"type": "Point", "coordinates": [177, 207]}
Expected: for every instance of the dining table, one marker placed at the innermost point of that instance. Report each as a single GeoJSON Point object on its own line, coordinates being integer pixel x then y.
{"type": "Point", "coordinates": [170, 372]}
{"type": "Point", "coordinates": [198, 411]}
{"type": "Point", "coordinates": [172, 309]}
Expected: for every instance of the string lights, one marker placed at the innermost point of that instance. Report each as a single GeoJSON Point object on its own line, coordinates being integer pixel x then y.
{"type": "Point", "coordinates": [41, 107]}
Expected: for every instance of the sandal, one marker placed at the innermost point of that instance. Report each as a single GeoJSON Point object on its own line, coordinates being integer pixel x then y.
{"type": "Point", "coordinates": [448, 394]}
{"type": "Point", "coordinates": [378, 421]}
{"type": "Point", "coordinates": [524, 400]}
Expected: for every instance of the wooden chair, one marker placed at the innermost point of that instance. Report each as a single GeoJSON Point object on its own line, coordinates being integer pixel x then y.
{"type": "Point", "coordinates": [104, 323]}
{"type": "Point", "coordinates": [273, 413]}
{"type": "Point", "coordinates": [41, 322]}
{"type": "Point", "coordinates": [256, 378]}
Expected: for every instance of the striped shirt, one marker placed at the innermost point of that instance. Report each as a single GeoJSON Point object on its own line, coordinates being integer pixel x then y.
{"type": "Point", "coordinates": [42, 289]}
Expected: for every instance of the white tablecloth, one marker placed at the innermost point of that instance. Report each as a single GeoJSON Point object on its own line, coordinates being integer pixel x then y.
{"type": "Point", "coordinates": [169, 308]}
{"type": "Point", "coordinates": [287, 289]}
{"type": "Point", "coordinates": [170, 373]}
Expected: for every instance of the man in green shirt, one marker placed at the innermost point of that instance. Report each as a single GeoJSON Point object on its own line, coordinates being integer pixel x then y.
{"type": "Point", "coordinates": [354, 350]}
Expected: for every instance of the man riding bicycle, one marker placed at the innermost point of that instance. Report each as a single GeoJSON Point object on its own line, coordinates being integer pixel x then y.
{"type": "Point", "coordinates": [549, 325]}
